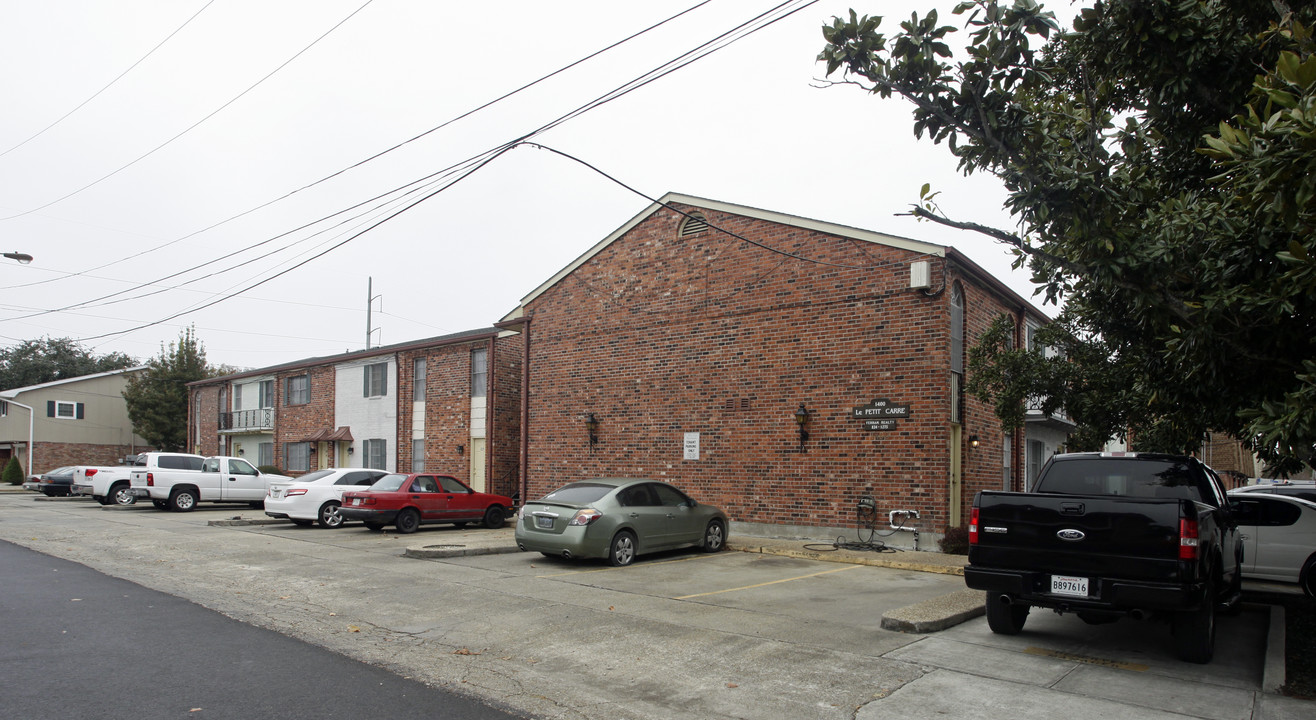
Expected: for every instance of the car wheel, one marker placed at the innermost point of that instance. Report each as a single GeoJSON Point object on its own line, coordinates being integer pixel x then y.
{"type": "Point", "coordinates": [160, 504]}
{"type": "Point", "coordinates": [1308, 577]}
{"type": "Point", "coordinates": [300, 522]}
{"type": "Point", "coordinates": [182, 500]}
{"type": "Point", "coordinates": [715, 537]}
{"type": "Point", "coordinates": [122, 494]}
{"type": "Point", "coordinates": [330, 516]}
{"type": "Point", "coordinates": [1003, 618]}
{"type": "Point", "coordinates": [374, 526]}
{"type": "Point", "coordinates": [1194, 630]}
{"type": "Point", "coordinates": [622, 551]}
{"type": "Point", "coordinates": [407, 521]}
{"type": "Point", "coordinates": [494, 517]}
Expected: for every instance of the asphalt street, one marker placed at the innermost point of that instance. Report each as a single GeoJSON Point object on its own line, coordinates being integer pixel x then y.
{"type": "Point", "coordinates": [82, 644]}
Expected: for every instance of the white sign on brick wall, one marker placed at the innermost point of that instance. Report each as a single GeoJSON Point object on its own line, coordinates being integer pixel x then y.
{"type": "Point", "coordinates": [691, 446]}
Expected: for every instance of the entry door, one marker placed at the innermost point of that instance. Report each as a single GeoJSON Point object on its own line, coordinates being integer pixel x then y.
{"type": "Point", "coordinates": [477, 465]}
{"type": "Point", "coordinates": [956, 472]}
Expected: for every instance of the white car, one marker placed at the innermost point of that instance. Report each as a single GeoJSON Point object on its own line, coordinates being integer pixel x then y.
{"type": "Point", "coordinates": [316, 496]}
{"type": "Point", "coordinates": [1279, 537]}
{"type": "Point", "coordinates": [1306, 491]}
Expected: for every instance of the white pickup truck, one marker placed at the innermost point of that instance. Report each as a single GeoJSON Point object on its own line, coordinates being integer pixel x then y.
{"type": "Point", "coordinates": [214, 479]}
{"type": "Point", "coordinates": [107, 484]}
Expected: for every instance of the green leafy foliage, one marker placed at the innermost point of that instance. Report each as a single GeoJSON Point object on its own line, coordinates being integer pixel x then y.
{"type": "Point", "coordinates": [33, 362]}
{"type": "Point", "coordinates": [157, 400]}
{"type": "Point", "coordinates": [13, 472]}
{"type": "Point", "coordinates": [1160, 163]}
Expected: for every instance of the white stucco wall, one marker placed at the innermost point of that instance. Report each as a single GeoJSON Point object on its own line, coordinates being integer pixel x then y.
{"type": "Point", "coordinates": [370, 418]}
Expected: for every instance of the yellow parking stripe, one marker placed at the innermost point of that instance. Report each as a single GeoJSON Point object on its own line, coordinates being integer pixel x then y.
{"type": "Point", "coordinates": [774, 582]}
{"type": "Point", "coordinates": [636, 566]}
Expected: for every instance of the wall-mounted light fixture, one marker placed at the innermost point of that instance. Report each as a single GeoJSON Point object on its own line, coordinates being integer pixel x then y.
{"type": "Point", "coordinates": [461, 449]}
{"type": "Point", "coordinates": [313, 448]}
{"type": "Point", "coordinates": [592, 426]}
{"type": "Point", "coordinates": [351, 449]}
{"type": "Point", "coordinates": [973, 441]}
{"type": "Point", "coordinates": [802, 420]}
{"type": "Point", "coordinates": [241, 451]}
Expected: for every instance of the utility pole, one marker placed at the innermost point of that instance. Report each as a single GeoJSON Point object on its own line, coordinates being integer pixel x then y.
{"type": "Point", "coordinates": [370, 302]}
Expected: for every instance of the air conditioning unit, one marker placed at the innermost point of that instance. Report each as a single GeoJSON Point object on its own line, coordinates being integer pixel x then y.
{"type": "Point", "coordinates": [920, 275]}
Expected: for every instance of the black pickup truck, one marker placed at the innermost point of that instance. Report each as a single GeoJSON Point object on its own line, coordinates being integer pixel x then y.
{"type": "Point", "coordinates": [1109, 535]}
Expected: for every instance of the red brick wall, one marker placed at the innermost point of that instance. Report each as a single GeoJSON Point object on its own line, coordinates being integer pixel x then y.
{"type": "Point", "coordinates": [295, 423]}
{"type": "Point", "coordinates": [659, 336]}
{"type": "Point", "coordinates": [207, 421]}
{"type": "Point", "coordinates": [504, 444]}
{"type": "Point", "coordinates": [447, 409]}
{"type": "Point", "coordinates": [47, 456]}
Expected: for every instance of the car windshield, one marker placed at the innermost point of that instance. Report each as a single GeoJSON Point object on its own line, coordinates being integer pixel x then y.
{"type": "Point", "coordinates": [314, 476]}
{"type": "Point", "coordinates": [581, 492]}
{"type": "Point", "coordinates": [388, 483]}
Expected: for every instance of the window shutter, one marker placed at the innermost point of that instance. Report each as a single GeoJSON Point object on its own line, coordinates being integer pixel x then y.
{"type": "Point", "coordinates": [50, 408]}
{"type": "Point", "coordinates": [365, 382]}
{"type": "Point", "coordinates": [79, 412]}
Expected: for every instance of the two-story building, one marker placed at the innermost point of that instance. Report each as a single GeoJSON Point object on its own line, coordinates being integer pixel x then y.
{"type": "Point", "coordinates": [448, 404]}
{"type": "Point", "coordinates": [780, 367]}
{"type": "Point", "coordinates": [74, 421]}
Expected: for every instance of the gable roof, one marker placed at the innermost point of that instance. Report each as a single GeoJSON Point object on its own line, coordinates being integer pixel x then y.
{"type": "Point", "coordinates": [15, 392]}
{"type": "Point", "coordinates": [845, 231]}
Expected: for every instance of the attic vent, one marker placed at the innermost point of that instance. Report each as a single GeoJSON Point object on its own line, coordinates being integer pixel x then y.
{"type": "Point", "coordinates": [736, 404]}
{"type": "Point", "coordinates": [693, 225]}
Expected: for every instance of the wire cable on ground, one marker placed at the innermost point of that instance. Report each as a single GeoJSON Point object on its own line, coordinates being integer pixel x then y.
{"type": "Point", "coordinates": [866, 522]}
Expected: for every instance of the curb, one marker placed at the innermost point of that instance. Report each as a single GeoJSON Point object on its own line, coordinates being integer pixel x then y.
{"type": "Point", "coordinates": [848, 558]}
{"type": "Point", "coordinates": [454, 550]}
{"type": "Point", "coordinates": [935, 614]}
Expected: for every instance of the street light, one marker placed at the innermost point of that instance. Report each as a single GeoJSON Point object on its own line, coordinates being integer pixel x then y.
{"type": "Point", "coordinates": [23, 258]}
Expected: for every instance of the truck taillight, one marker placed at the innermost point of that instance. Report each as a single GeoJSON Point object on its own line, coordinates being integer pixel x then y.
{"type": "Point", "coordinates": [150, 480]}
{"type": "Point", "coordinates": [1187, 539]}
{"type": "Point", "coordinates": [973, 526]}
{"type": "Point", "coordinates": [89, 472]}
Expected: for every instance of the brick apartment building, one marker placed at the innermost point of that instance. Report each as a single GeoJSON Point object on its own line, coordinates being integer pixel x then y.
{"type": "Point", "coordinates": [74, 421]}
{"type": "Point", "coordinates": [449, 404]}
{"type": "Point", "coordinates": [778, 367]}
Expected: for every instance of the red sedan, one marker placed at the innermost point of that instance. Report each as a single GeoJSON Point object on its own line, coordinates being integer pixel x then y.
{"type": "Point", "coordinates": [407, 501]}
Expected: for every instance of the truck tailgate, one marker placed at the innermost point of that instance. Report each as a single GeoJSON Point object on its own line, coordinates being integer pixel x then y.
{"type": "Point", "coordinates": [1136, 538]}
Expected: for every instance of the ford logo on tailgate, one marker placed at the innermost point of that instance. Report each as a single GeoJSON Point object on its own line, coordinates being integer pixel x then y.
{"type": "Point", "coordinates": [1070, 534]}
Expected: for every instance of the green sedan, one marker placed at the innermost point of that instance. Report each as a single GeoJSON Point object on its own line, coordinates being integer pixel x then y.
{"type": "Point", "coordinates": [618, 519]}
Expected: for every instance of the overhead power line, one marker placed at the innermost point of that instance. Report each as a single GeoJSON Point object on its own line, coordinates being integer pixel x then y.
{"type": "Point", "coordinates": [194, 125]}
{"type": "Point", "coordinates": [373, 157]}
{"type": "Point", "coordinates": [479, 161]}
{"type": "Point", "coordinates": [107, 86]}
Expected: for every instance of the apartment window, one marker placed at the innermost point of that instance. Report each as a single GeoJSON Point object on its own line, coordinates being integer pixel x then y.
{"type": "Point", "coordinates": [376, 380]}
{"type": "Point", "coordinates": [298, 390]}
{"type": "Point", "coordinates": [265, 454]}
{"type": "Point", "coordinates": [64, 410]}
{"type": "Point", "coordinates": [297, 457]}
{"type": "Point", "coordinates": [375, 451]}
{"type": "Point", "coordinates": [479, 371]}
{"type": "Point", "coordinates": [237, 398]}
{"type": "Point", "coordinates": [418, 380]}
{"type": "Point", "coordinates": [418, 456]}
{"type": "Point", "coordinates": [267, 393]}
{"type": "Point", "coordinates": [1036, 450]}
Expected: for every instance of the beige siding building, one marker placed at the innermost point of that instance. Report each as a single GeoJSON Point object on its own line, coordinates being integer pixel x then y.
{"type": "Point", "coordinates": [77, 421]}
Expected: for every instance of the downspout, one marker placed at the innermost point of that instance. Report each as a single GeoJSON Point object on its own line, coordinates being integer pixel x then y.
{"type": "Point", "coordinates": [525, 412]}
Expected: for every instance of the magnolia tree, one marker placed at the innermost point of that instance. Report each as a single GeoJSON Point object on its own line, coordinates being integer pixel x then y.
{"type": "Point", "coordinates": [1160, 163]}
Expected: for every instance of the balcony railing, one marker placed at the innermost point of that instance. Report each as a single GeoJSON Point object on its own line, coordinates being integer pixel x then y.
{"type": "Point", "coordinates": [261, 419]}
{"type": "Point", "coordinates": [1033, 408]}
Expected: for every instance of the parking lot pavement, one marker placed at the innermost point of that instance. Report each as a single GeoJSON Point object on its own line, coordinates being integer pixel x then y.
{"type": "Point", "coordinates": [680, 635]}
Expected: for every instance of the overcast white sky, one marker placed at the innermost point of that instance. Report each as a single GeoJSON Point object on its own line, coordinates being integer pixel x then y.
{"type": "Point", "coordinates": [164, 170]}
